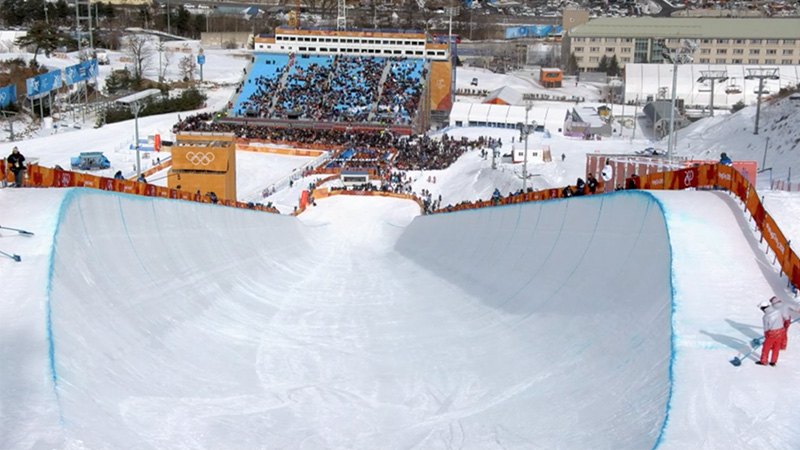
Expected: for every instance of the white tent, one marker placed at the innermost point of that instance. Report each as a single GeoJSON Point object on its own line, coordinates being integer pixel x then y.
{"type": "Point", "coordinates": [551, 116]}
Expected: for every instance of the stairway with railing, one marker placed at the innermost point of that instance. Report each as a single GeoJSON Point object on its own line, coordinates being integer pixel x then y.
{"type": "Point", "coordinates": [373, 110]}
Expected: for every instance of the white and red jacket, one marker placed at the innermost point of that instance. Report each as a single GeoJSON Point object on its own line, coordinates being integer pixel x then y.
{"type": "Point", "coordinates": [787, 308]}
{"type": "Point", "coordinates": [773, 319]}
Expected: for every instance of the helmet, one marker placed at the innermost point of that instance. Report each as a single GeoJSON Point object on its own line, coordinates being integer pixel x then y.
{"type": "Point", "coordinates": [764, 305]}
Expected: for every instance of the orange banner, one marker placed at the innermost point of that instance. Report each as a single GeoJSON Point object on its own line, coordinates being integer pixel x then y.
{"type": "Point", "coordinates": [719, 176]}
{"type": "Point", "coordinates": [440, 85]}
{"type": "Point", "coordinates": [51, 178]}
{"type": "Point", "coordinates": [280, 151]}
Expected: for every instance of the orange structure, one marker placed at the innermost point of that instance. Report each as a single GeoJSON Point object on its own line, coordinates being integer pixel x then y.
{"type": "Point", "coordinates": [550, 78]}
{"type": "Point", "coordinates": [38, 176]}
{"type": "Point", "coordinates": [204, 162]}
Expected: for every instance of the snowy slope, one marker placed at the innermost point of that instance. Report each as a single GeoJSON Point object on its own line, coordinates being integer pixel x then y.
{"type": "Point", "coordinates": [779, 135]}
{"type": "Point", "coordinates": [358, 325]}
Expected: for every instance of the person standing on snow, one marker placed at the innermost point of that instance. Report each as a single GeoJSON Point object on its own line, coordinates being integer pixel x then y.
{"type": "Point", "coordinates": [774, 334]}
{"type": "Point", "coordinates": [607, 175]}
{"type": "Point", "coordinates": [786, 309]}
{"type": "Point", "coordinates": [591, 183]}
{"type": "Point", "coordinates": [16, 163]}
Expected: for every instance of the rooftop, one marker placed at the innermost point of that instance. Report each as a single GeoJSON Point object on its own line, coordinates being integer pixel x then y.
{"type": "Point", "coordinates": [698, 28]}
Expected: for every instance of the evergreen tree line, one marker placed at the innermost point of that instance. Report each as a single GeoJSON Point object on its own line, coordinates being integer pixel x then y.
{"type": "Point", "coordinates": [188, 100]}
{"type": "Point", "coordinates": [609, 66]}
{"type": "Point", "coordinates": [27, 12]}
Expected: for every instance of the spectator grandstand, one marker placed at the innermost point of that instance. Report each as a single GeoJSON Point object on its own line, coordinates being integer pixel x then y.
{"type": "Point", "coordinates": [256, 94]}
{"type": "Point", "coordinates": [340, 88]}
{"type": "Point", "coordinates": [402, 91]}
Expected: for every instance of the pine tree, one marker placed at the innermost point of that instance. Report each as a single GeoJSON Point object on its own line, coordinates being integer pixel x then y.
{"type": "Point", "coordinates": [603, 66]}
{"type": "Point", "coordinates": [613, 67]}
{"type": "Point", "coordinates": [572, 64]}
{"type": "Point", "coordinates": [43, 37]}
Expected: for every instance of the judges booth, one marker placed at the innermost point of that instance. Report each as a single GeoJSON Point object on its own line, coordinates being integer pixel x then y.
{"type": "Point", "coordinates": [350, 179]}
{"type": "Point", "coordinates": [204, 162]}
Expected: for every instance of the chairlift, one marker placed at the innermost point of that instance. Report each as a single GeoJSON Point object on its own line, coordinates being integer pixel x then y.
{"type": "Point", "coordinates": [704, 87]}
{"type": "Point", "coordinates": [764, 91]}
{"type": "Point", "coordinates": [733, 88]}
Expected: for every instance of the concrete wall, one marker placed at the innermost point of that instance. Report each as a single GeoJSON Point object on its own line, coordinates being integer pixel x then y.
{"type": "Point", "coordinates": [220, 39]}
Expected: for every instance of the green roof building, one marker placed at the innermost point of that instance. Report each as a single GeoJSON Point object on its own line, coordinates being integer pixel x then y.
{"type": "Point", "coordinates": [772, 41]}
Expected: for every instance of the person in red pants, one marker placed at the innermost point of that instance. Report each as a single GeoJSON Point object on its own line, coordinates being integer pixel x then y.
{"type": "Point", "coordinates": [774, 334]}
{"type": "Point", "coordinates": [786, 309]}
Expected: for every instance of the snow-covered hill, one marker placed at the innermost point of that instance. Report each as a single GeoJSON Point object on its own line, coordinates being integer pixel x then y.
{"type": "Point", "coordinates": [778, 133]}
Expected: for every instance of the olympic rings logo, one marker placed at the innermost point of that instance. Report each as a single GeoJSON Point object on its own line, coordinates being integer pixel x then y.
{"type": "Point", "coordinates": [200, 158]}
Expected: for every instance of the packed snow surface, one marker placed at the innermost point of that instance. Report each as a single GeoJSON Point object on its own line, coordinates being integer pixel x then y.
{"type": "Point", "coordinates": [361, 324]}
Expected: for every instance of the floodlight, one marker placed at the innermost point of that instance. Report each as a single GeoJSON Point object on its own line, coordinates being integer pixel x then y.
{"type": "Point", "coordinates": [134, 102]}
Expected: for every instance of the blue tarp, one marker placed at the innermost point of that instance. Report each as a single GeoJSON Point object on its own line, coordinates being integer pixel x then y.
{"type": "Point", "coordinates": [44, 83]}
{"type": "Point", "coordinates": [8, 95]}
{"type": "Point", "coordinates": [80, 72]}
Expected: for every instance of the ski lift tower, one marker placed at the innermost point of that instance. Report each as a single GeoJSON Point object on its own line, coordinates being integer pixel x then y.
{"type": "Point", "coordinates": [9, 116]}
{"type": "Point", "coordinates": [677, 55]}
{"type": "Point", "coordinates": [761, 74]}
{"type": "Point", "coordinates": [83, 19]}
{"type": "Point", "coordinates": [135, 103]}
{"type": "Point", "coordinates": [712, 76]}
{"type": "Point", "coordinates": [341, 16]}
{"type": "Point", "coordinates": [525, 129]}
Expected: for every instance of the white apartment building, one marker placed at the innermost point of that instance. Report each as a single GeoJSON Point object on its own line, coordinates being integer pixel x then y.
{"type": "Point", "coordinates": [774, 41]}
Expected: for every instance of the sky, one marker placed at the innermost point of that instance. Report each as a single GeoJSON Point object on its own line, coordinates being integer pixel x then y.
{"type": "Point", "coordinates": [596, 322]}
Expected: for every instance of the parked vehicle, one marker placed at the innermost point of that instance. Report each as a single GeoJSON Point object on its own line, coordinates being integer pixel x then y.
{"type": "Point", "coordinates": [102, 58]}
{"type": "Point", "coordinates": [90, 161]}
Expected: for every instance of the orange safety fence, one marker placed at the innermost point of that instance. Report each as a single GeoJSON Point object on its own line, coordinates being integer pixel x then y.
{"type": "Point", "coordinates": [280, 150]}
{"type": "Point", "coordinates": [703, 176]}
{"type": "Point", "coordinates": [155, 169]}
{"type": "Point", "coordinates": [38, 176]}
{"type": "Point", "coordinates": [245, 142]}
{"type": "Point", "coordinates": [728, 178]}
{"type": "Point", "coordinates": [324, 193]}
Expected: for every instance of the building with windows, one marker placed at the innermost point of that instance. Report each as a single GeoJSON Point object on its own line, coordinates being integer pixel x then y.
{"type": "Point", "coordinates": [373, 43]}
{"type": "Point", "coordinates": [774, 41]}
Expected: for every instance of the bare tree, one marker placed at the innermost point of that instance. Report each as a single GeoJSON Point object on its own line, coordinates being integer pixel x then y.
{"type": "Point", "coordinates": [140, 52]}
{"type": "Point", "coordinates": [326, 8]}
{"type": "Point", "coordinates": [164, 60]}
{"type": "Point", "coordinates": [187, 67]}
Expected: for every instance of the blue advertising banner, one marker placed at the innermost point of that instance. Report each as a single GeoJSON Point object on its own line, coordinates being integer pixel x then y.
{"type": "Point", "coordinates": [80, 72]}
{"type": "Point", "coordinates": [532, 31]}
{"type": "Point", "coordinates": [44, 83]}
{"type": "Point", "coordinates": [8, 95]}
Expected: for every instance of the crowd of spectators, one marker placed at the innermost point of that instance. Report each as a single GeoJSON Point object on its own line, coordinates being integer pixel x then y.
{"type": "Point", "coordinates": [402, 91]}
{"type": "Point", "coordinates": [354, 89]}
{"type": "Point", "coordinates": [424, 153]}
{"type": "Point", "coordinates": [359, 158]}
{"type": "Point", "coordinates": [259, 103]}
{"type": "Point", "coordinates": [337, 89]}
{"type": "Point", "coordinates": [303, 96]}
{"type": "Point", "coordinates": [412, 152]}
